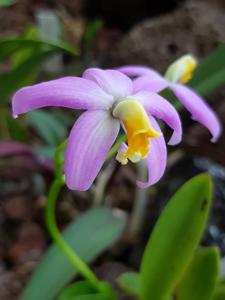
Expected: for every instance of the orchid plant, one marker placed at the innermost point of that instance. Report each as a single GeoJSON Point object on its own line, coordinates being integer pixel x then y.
{"type": "Point", "coordinates": [110, 100]}
{"type": "Point", "coordinates": [129, 98]}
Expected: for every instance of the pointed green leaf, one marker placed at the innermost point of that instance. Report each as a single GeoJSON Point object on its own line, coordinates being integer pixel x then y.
{"type": "Point", "coordinates": [90, 235]}
{"type": "Point", "coordinates": [130, 283]}
{"type": "Point", "coordinates": [174, 238]}
{"type": "Point", "coordinates": [200, 278]}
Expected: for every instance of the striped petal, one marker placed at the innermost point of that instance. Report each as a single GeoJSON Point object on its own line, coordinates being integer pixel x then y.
{"type": "Point", "coordinates": [112, 82]}
{"type": "Point", "coordinates": [153, 84]}
{"type": "Point", "coordinates": [157, 106]}
{"type": "Point", "coordinates": [136, 71]}
{"type": "Point", "coordinates": [156, 159]}
{"type": "Point", "coordinates": [69, 92]}
{"type": "Point", "coordinates": [88, 144]}
{"type": "Point", "coordinates": [199, 109]}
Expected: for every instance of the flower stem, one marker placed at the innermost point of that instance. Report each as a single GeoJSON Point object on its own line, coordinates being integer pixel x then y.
{"type": "Point", "coordinates": [55, 188]}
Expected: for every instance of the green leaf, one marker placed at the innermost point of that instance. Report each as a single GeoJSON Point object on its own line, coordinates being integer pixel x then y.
{"type": "Point", "coordinates": [92, 29]}
{"type": "Point", "coordinates": [130, 283]}
{"type": "Point", "coordinates": [92, 297]}
{"type": "Point", "coordinates": [174, 238]}
{"type": "Point", "coordinates": [12, 45]}
{"type": "Point", "coordinates": [48, 126]}
{"type": "Point", "coordinates": [21, 75]}
{"type": "Point", "coordinates": [219, 293]}
{"type": "Point", "coordinates": [90, 235]}
{"type": "Point", "coordinates": [17, 130]}
{"type": "Point", "coordinates": [211, 73]}
{"type": "Point", "coordinates": [200, 278]}
{"type": "Point", "coordinates": [7, 2]}
{"type": "Point", "coordinates": [76, 289]}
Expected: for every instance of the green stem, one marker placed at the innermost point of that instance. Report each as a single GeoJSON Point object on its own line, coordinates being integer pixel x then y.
{"type": "Point", "coordinates": [53, 229]}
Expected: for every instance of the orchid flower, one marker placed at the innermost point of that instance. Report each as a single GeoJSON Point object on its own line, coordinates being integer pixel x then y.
{"type": "Point", "coordinates": [176, 76]}
{"type": "Point", "coordinates": [109, 101]}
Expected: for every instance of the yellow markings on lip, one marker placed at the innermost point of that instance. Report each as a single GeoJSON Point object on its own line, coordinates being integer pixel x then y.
{"type": "Point", "coordinates": [138, 129]}
{"type": "Point", "coordinates": [182, 69]}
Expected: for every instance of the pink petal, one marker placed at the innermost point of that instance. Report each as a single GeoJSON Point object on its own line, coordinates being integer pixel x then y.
{"type": "Point", "coordinates": [112, 82]}
{"type": "Point", "coordinates": [70, 92]}
{"type": "Point", "coordinates": [199, 109]}
{"type": "Point", "coordinates": [156, 159]}
{"type": "Point", "coordinates": [157, 106]}
{"type": "Point", "coordinates": [136, 71]}
{"type": "Point", "coordinates": [153, 84]}
{"type": "Point", "coordinates": [89, 142]}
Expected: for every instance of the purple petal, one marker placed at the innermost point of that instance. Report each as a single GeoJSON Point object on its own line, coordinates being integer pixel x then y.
{"type": "Point", "coordinates": [153, 84]}
{"type": "Point", "coordinates": [89, 142]}
{"type": "Point", "coordinates": [156, 159]}
{"type": "Point", "coordinates": [70, 92]}
{"type": "Point", "coordinates": [157, 106]}
{"type": "Point", "coordinates": [199, 109]}
{"type": "Point", "coordinates": [136, 71]}
{"type": "Point", "coordinates": [112, 82]}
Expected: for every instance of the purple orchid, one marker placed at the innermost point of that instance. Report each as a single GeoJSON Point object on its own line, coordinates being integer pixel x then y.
{"type": "Point", "coordinates": [110, 99]}
{"type": "Point", "coordinates": [177, 74]}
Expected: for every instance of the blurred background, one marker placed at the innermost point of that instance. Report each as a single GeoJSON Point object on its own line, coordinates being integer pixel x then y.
{"type": "Point", "coordinates": [41, 40]}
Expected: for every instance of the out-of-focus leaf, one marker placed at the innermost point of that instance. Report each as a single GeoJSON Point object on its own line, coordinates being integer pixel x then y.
{"type": "Point", "coordinates": [130, 283]}
{"type": "Point", "coordinates": [22, 54]}
{"type": "Point", "coordinates": [75, 289]}
{"type": "Point", "coordinates": [46, 151]}
{"type": "Point", "coordinates": [90, 33]}
{"type": "Point", "coordinates": [17, 130]}
{"type": "Point", "coordinates": [84, 288]}
{"type": "Point", "coordinates": [12, 45]}
{"type": "Point", "coordinates": [92, 297]}
{"type": "Point", "coordinates": [48, 127]}
{"type": "Point", "coordinates": [174, 238]}
{"type": "Point", "coordinates": [21, 75]}
{"type": "Point", "coordinates": [7, 2]}
{"type": "Point", "coordinates": [200, 278]}
{"type": "Point", "coordinates": [219, 293]}
{"type": "Point", "coordinates": [210, 73]}
{"type": "Point", "coordinates": [90, 235]}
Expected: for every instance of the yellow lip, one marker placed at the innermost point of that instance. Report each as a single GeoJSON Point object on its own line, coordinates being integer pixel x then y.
{"type": "Point", "coordinates": [138, 129]}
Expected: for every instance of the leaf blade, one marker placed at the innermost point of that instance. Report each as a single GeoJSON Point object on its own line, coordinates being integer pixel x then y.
{"type": "Point", "coordinates": [175, 238]}
{"type": "Point", "coordinates": [92, 233]}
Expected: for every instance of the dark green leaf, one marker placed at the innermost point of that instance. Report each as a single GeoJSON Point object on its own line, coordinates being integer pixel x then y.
{"type": "Point", "coordinates": [22, 74]}
{"type": "Point", "coordinates": [49, 128]}
{"type": "Point", "coordinates": [210, 73]}
{"type": "Point", "coordinates": [7, 2]}
{"type": "Point", "coordinates": [130, 283]}
{"type": "Point", "coordinates": [90, 235]}
{"type": "Point", "coordinates": [92, 297]}
{"type": "Point", "coordinates": [174, 238]}
{"type": "Point", "coordinates": [219, 293]}
{"type": "Point", "coordinates": [17, 130]}
{"type": "Point", "coordinates": [12, 45]}
{"type": "Point", "coordinates": [200, 278]}
{"type": "Point", "coordinates": [90, 33]}
{"type": "Point", "coordinates": [76, 289]}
